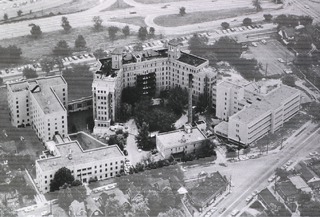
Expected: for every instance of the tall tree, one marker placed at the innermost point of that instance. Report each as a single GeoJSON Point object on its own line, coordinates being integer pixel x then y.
{"type": "Point", "coordinates": [62, 49]}
{"type": "Point", "coordinates": [100, 53]}
{"type": "Point", "coordinates": [19, 13]}
{"type": "Point", "coordinates": [225, 25]}
{"type": "Point", "coordinates": [247, 21]}
{"type": "Point", "coordinates": [126, 31]}
{"type": "Point", "coordinates": [47, 64]}
{"type": "Point", "coordinates": [197, 44]}
{"type": "Point", "coordinates": [111, 205]}
{"type": "Point", "coordinates": [154, 201]}
{"type": "Point", "coordinates": [142, 138]}
{"type": "Point", "coordinates": [97, 23]}
{"type": "Point", "coordinates": [167, 198]}
{"type": "Point", "coordinates": [65, 24]}
{"type": "Point", "coordinates": [177, 100]}
{"type": "Point", "coordinates": [35, 31]}
{"type": "Point", "coordinates": [10, 54]}
{"type": "Point", "coordinates": [65, 197]}
{"type": "Point", "coordinates": [182, 11]}
{"type": "Point", "coordinates": [267, 17]}
{"type": "Point", "coordinates": [112, 30]}
{"type": "Point", "coordinates": [80, 42]}
{"type": "Point", "coordinates": [257, 5]}
{"type": "Point", "coordinates": [151, 32]}
{"type": "Point", "coordinates": [61, 177]}
{"type": "Point", "coordinates": [138, 47]}
{"type": "Point", "coordinates": [289, 80]}
{"type": "Point", "coordinates": [29, 73]}
{"type": "Point", "coordinates": [5, 17]}
{"type": "Point", "coordinates": [142, 33]}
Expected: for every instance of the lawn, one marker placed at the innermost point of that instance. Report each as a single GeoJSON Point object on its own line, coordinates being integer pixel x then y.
{"type": "Point", "coordinates": [34, 49]}
{"type": "Point", "coordinates": [65, 8]}
{"type": "Point", "coordinates": [138, 21]}
{"type": "Point", "coordinates": [174, 20]}
{"type": "Point", "coordinates": [31, 145]}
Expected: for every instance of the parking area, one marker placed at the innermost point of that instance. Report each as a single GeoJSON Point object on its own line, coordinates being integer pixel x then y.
{"type": "Point", "coordinates": [274, 57]}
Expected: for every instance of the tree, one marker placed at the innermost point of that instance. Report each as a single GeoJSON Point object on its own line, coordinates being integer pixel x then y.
{"type": "Point", "coordinates": [65, 24]}
{"type": "Point", "coordinates": [151, 32]}
{"type": "Point", "coordinates": [172, 212]}
{"type": "Point", "coordinates": [59, 63]}
{"type": "Point", "coordinates": [202, 103]}
{"type": "Point", "coordinates": [225, 25]}
{"type": "Point", "coordinates": [305, 20]}
{"type": "Point", "coordinates": [198, 45]}
{"type": "Point", "coordinates": [62, 49]}
{"type": "Point", "coordinates": [19, 13]}
{"type": "Point", "coordinates": [80, 42]}
{"type": "Point", "coordinates": [283, 174]}
{"type": "Point", "coordinates": [182, 11]}
{"type": "Point", "coordinates": [257, 5]}
{"type": "Point", "coordinates": [304, 198]}
{"type": "Point", "coordinates": [288, 80]}
{"type": "Point", "coordinates": [142, 33]}
{"type": "Point", "coordinates": [313, 110]}
{"type": "Point", "coordinates": [310, 209]}
{"type": "Point", "coordinates": [112, 30]}
{"type": "Point", "coordinates": [111, 205]}
{"type": "Point", "coordinates": [79, 192]}
{"type": "Point", "coordinates": [177, 100]}
{"type": "Point", "coordinates": [65, 197]}
{"type": "Point", "coordinates": [35, 31]}
{"type": "Point", "coordinates": [129, 95]}
{"type": "Point", "coordinates": [138, 47]}
{"type": "Point", "coordinates": [1, 83]}
{"type": "Point", "coordinates": [10, 54]}
{"type": "Point", "coordinates": [61, 177]}
{"type": "Point", "coordinates": [140, 207]}
{"type": "Point", "coordinates": [100, 53]}
{"type": "Point", "coordinates": [286, 20]}
{"type": "Point", "coordinates": [142, 138]}
{"type": "Point", "coordinates": [5, 17]}
{"type": "Point", "coordinates": [126, 31]}
{"type": "Point", "coordinates": [97, 23]}
{"type": "Point", "coordinates": [47, 64]}
{"type": "Point", "coordinates": [303, 43]}
{"type": "Point", "coordinates": [267, 17]}
{"type": "Point", "coordinates": [154, 201]}
{"type": "Point", "coordinates": [247, 21]}
{"type": "Point", "coordinates": [29, 73]}
{"type": "Point", "coordinates": [168, 200]}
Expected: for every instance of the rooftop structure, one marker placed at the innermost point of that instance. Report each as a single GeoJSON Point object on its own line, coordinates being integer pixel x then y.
{"type": "Point", "coordinates": [300, 184]}
{"type": "Point", "coordinates": [191, 59]}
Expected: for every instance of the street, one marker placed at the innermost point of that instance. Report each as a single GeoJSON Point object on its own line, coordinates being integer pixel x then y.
{"type": "Point", "coordinates": [248, 176]}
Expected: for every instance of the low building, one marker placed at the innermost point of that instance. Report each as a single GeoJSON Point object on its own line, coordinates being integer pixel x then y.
{"type": "Point", "coordinates": [206, 191]}
{"type": "Point", "coordinates": [287, 191]}
{"type": "Point", "coordinates": [92, 208]}
{"type": "Point", "coordinates": [41, 103]}
{"type": "Point", "coordinates": [269, 201]}
{"type": "Point", "coordinates": [77, 209]}
{"type": "Point", "coordinates": [179, 141]}
{"type": "Point", "coordinates": [300, 184]}
{"type": "Point", "coordinates": [97, 163]}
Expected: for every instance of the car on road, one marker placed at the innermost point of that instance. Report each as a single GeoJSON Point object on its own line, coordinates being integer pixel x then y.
{"type": "Point", "coordinates": [306, 6]}
{"type": "Point", "coordinates": [287, 71]}
{"type": "Point", "coordinates": [313, 153]}
{"type": "Point", "coordinates": [139, 150]}
{"type": "Point", "coordinates": [271, 178]}
{"type": "Point", "coordinates": [235, 212]}
{"type": "Point", "coordinates": [254, 44]}
{"type": "Point", "coordinates": [44, 213]}
{"type": "Point", "coordinates": [249, 198]}
{"type": "Point", "coordinates": [264, 41]}
{"type": "Point", "coordinates": [133, 12]}
{"type": "Point", "coordinates": [281, 60]}
{"type": "Point", "coordinates": [289, 163]}
{"type": "Point", "coordinates": [249, 27]}
{"type": "Point", "coordinates": [222, 210]}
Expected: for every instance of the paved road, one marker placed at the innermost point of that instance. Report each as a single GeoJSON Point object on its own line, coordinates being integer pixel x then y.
{"type": "Point", "coordinates": [248, 176]}
{"type": "Point", "coordinates": [149, 11]}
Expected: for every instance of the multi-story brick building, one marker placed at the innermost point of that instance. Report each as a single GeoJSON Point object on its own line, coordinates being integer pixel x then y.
{"type": "Point", "coordinates": [253, 111]}
{"type": "Point", "coordinates": [151, 71]}
{"type": "Point", "coordinates": [40, 103]}
{"type": "Point", "coordinates": [97, 163]}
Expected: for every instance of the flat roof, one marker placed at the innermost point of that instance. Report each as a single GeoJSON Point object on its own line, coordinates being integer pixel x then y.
{"type": "Point", "coordinates": [48, 100]}
{"type": "Point", "coordinates": [19, 86]}
{"type": "Point", "coordinates": [269, 102]}
{"type": "Point", "coordinates": [191, 59]}
{"type": "Point", "coordinates": [174, 138]}
{"type": "Point", "coordinates": [268, 197]}
{"type": "Point", "coordinates": [79, 156]}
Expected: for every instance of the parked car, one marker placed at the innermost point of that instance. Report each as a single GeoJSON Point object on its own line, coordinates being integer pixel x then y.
{"type": "Point", "coordinates": [281, 60]}
{"type": "Point", "coordinates": [264, 41]}
{"type": "Point", "coordinates": [235, 212]}
{"type": "Point", "coordinates": [254, 44]}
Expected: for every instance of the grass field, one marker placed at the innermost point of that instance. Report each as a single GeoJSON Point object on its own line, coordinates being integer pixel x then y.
{"type": "Point", "coordinates": [138, 21]}
{"type": "Point", "coordinates": [34, 49]}
{"type": "Point", "coordinates": [174, 20]}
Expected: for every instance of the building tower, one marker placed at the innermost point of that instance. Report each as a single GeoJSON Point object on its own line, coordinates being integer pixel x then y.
{"type": "Point", "coordinates": [117, 58]}
{"type": "Point", "coordinates": [174, 49]}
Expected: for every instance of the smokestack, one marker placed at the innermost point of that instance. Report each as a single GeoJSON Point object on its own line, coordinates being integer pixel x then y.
{"type": "Point", "coordinates": [190, 100]}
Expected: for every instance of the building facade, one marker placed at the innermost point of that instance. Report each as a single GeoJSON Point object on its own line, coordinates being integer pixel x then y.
{"type": "Point", "coordinates": [253, 112]}
{"type": "Point", "coordinates": [40, 103]}
{"type": "Point", "coordinates": [98, 163]}
{"type": "Point", "coordinates": [151, 71]}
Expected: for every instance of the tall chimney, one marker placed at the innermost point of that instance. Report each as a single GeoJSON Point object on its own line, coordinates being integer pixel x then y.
{"type": "Point", "coordinates": [190, 100]}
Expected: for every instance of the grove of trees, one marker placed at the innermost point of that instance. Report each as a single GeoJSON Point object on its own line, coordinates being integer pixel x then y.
{"type": "Point", "coordinates": [29, 73]}
{"type": "Point", "coordinates": [97, 23]}
{"type": "Point", "coordinates": [61, 177]}
{"type": "Point", "coordinates": [10, 54]}
{"type": "Point", "coordinates": [62, 49]}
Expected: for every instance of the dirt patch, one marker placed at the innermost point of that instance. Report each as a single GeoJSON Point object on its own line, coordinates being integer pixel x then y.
{"type": "Point", "coordinates": [174, 20]}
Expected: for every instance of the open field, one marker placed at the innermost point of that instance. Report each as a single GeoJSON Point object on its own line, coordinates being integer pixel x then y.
{"type": "Point", "coordinates": [65, 8]}
{"type": "Point", "coordinates": [31, 145]}
{"type": "Point", "coordinates": [33, 49]}
{"type": "Point", "coordinates": [173, 20]}
{"type": "Point", "coordinates": [158, 1]}
{"type": "Point", "coordinates": [268, 54]}
{"type": "Point", "coordinates": [139, 21]}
